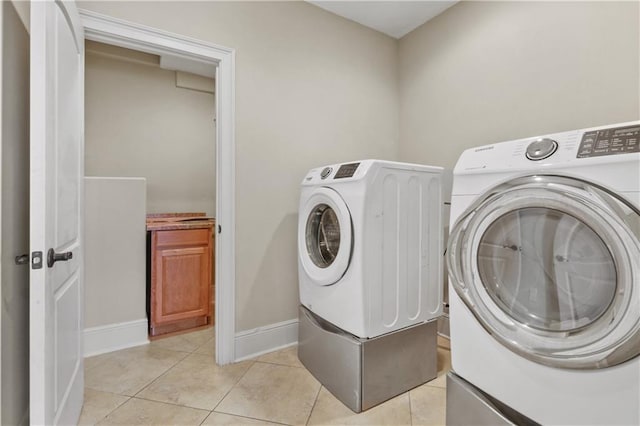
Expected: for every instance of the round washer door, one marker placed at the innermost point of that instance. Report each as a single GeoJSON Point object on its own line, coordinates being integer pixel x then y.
{"type": "Point", "coordinates": [324, 236]}
{"type": "Point", "coordinates": [550, 267]}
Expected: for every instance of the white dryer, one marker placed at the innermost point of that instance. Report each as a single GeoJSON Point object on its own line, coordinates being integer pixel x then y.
{"type": "Point", "coordinates": [544, 265]}
{"type": "Point", "coordinates": [370, 244]}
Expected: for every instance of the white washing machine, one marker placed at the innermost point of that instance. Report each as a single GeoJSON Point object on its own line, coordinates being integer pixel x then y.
{"type": "Point", "coordinates": [544, 265]}
{"type": "Point", "coordinates": [370, 244]}
{"type": "Point", "coordinates": [370, 273]}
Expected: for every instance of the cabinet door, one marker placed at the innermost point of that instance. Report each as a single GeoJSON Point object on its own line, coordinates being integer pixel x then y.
{"type": "Point", "coordinates": [182, 278]}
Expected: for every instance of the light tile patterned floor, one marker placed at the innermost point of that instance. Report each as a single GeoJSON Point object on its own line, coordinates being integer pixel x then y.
{"type": "Point", "coordinates": [175, 381]}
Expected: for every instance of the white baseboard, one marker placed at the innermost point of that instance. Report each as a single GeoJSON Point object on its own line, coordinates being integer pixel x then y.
{"type": "Point", "coordinates": [113, 337]}
{"type": "Point", "coordinates": [261, 340]}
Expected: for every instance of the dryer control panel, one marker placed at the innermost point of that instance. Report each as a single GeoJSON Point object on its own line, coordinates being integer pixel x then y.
{"type": "Point", "coordinates": [346, 170]}
{"type": "Point", "coordinates": [610, 141]}
{"type": "Point", "coordinates": [344, 173]}
{"type": "Point", "coordinates": [558, 150]}
{"type": "Point", "coordinates": [330, 173]}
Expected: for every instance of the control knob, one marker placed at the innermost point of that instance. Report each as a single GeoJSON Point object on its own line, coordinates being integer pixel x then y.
{"type": "Point", "coordinates": [325, 172]}
{"type": "Point", "coordinates": [541, 149]}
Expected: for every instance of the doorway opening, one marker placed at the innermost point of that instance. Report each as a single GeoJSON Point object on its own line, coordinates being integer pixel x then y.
{"type": "Point", "coordinates": [185, 54]}
{"type": "Point", "coordinates": [149, 146]}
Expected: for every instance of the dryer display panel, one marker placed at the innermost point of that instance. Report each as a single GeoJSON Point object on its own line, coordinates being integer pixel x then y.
{"type": "Point", "coordinates": [612, 141]}
{"type": "Point", "coordinates": [346, 170]}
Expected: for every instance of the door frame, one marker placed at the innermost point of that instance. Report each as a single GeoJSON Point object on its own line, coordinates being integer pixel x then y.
{"type": "Point", "coordinates": [106, 29]}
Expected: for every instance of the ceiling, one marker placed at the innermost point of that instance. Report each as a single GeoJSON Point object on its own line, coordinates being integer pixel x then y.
{"type": "Point", "coordinates": [394, 18]}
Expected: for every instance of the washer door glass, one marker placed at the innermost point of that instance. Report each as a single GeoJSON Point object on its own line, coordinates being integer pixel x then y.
{"type": "Point", "coordinates": [546, 269]}
{"type": "Point", "coordinates": [323, 235]}
{"type": "Point", "coordinates": [550, 267]}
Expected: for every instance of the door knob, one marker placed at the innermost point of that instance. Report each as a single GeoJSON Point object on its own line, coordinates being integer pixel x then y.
{"type": "Point", "coordinates": [53, 257]}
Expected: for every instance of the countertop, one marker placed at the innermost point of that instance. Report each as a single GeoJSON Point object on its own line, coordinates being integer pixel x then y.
{"type": "Point", "coordinates": [174, 221]}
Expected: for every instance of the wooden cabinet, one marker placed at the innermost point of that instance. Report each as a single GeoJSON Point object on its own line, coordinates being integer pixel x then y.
{"type": "Point", "coordinates": [181, 278]}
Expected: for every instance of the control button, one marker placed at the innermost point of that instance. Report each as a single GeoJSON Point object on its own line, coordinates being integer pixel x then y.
{"type": "Point", "coordinates": [541, 149]}
{"type": "Point", "coordinates": [325, 172]}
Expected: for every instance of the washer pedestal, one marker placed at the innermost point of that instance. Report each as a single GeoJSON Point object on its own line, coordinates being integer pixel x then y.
{"type": "Point", "coordinates": [466, 404]}
{"type": "Point", "coordinates": [363, 373]}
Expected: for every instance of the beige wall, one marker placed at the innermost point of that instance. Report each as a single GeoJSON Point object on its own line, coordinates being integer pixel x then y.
{"type": "Point", "coordinates": [314, 89]}
{"type": "Point", "coordinates": [485, 72]}
{"type": "Point", "coordinates": [14, 229]}
{"type": "Point", "coordinates": [115, 251]}
{"type": "Point", "coordinates": [311, 89]}
{"type": "Point", "coordinates": [139, 124]}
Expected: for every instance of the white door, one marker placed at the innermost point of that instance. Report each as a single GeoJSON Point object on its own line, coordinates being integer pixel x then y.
{"type": "Point", "coordinates": [57, 116]}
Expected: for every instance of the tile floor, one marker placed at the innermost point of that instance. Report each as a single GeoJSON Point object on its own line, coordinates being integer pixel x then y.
{"type": "Point", "coordinates": [175, 381]}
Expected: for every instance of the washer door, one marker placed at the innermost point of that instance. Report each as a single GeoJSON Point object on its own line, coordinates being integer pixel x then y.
{"type": "Point", "coordinates": [550, 266]}
{"type": "Point", "coordinates": [325, 236]}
